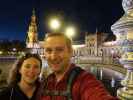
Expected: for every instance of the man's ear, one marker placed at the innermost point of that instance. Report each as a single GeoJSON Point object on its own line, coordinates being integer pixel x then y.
{"type": "Point", "coordinates": [71, 51]}
{"type": "Point", "coordinates": [43, 44]}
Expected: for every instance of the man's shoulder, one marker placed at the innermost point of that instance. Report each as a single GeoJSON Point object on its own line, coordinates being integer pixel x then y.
{"type": "Point", "coordinates": [86, 75]}
{"type": "Point", "coordinates": [82, 73]}
{"type": "Point", "coordinates": [51, 75]}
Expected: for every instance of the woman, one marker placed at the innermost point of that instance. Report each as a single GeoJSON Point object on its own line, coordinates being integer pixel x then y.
{"type": "Point", "coordinates": [23, 79]}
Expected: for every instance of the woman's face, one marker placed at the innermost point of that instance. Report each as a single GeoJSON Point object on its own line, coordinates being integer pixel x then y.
{"type": "Point", "coordinates": [30, 70]}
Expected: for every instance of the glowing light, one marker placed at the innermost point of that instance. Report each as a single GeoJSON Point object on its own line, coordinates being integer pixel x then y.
{"type": "Point", "coordinates": [1, 52]}
{"type": "Point", "coordinates": [54, 24]}
{"type": "Point", "coordinates": [70, 32]}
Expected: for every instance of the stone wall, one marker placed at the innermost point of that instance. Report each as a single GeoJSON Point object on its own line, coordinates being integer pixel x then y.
{"type": "Point", "coordinates": [5, 66]}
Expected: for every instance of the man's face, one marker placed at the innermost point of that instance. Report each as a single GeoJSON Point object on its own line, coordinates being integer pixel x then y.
{"type": "Point", "coordinates": [57, 53]}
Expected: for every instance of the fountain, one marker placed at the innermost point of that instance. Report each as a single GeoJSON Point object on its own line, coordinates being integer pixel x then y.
{"type": "Point", "coordinates": [123, 29]}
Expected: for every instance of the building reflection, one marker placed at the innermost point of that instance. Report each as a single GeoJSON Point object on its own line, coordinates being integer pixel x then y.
{"type": "Point", "coordinates": [110, 78]}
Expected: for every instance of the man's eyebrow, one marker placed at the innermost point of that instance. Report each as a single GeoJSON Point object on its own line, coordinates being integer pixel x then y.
{"type": "Point", "coordinates": [60, 47]}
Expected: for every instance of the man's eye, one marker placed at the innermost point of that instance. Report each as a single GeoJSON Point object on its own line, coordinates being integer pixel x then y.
{"type": "Point", "coordinates": [48, 50]}
{"type": "Point", "coordinates": [59, 49]}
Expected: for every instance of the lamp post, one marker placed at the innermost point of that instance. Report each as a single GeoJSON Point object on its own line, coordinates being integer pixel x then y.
{"type": "Point", "coordinates": [123, 29]}
{"type": "Point", "coordinates": [112, 56]}
{"type": "Point", "coordinates": [70, 32]}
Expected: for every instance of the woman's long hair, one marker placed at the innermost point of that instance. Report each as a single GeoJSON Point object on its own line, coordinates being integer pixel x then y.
{"type": "Point", "coordinates": [14, 75]}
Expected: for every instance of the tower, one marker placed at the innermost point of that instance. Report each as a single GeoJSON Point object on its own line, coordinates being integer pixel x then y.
{"type": "Point", "coordinates": [32, 34]}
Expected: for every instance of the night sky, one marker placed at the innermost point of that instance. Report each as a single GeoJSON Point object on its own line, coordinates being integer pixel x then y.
{"type": "Point", "coordinates": [85, 15]}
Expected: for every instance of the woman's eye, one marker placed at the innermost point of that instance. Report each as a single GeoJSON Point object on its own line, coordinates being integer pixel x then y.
{"type": "Point", "coordinates": [36, 66]}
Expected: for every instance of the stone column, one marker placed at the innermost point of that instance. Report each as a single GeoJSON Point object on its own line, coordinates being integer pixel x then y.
{"type": "Point", "coordinates": [123, 29]}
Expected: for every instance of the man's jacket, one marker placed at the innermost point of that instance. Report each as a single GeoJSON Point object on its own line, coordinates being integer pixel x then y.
{"type": "Point", "coordinates": [85, 87]}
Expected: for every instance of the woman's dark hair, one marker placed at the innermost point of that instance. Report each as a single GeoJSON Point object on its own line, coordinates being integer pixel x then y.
{"type": "Point", "coordinates": [14, 75]}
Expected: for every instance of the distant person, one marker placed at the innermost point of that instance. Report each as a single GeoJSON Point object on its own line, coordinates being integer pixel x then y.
{"type": "Point", "coordinates": [69, 82]}
{"type": "Point", "coordinates": [23, 80]}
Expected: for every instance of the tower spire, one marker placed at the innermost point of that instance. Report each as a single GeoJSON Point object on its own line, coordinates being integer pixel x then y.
{"type": "Point", "coordinates": [33, 11]}
{"type": "Point", "coordinates": [32, 34]}
{"type": "Point", "coordinates": [96, 30]}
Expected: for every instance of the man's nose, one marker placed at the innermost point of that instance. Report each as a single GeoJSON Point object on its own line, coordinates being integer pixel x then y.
{"type": "Point", "coordinates": [54, 55]}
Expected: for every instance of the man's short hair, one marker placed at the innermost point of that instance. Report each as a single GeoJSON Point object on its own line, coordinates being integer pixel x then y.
{"type": "Point", "coordinates": [67, 39]}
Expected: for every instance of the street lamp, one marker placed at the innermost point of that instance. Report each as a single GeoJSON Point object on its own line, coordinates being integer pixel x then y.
{"type": "Point", "coordinates": [54, 24]}
{"type": "Point", "coordinates": [70, 32]}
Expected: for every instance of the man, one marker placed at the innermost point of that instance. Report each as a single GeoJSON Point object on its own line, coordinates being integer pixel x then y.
{"type": "Point", "coordinates": [58, 52]}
